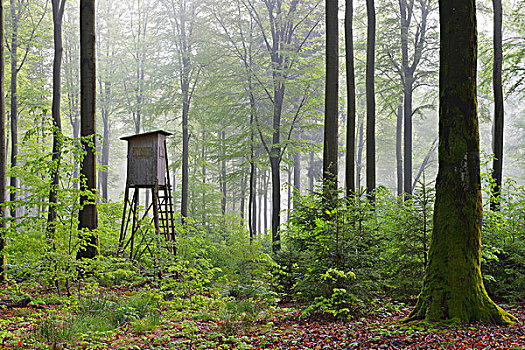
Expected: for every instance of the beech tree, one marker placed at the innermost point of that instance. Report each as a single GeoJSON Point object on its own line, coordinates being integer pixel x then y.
{"type": "Point", "coordinates": [453, 286]}
{"type": "Point", "coordinates": [182, 16]}
{"type": "Point", "coordinates": [88, 219]}
{"type": "Point", "coordinates": [58, 14]}
{"type": "Point", "coordinates": [19, 12]}
{"type": "Point", "coordinates": [408, 74]}
{"type": "Point", "coordinates": [351, 99]}
{"type": "Point", "coordinates": [3, 151]}
{"type": "Point", "coordinates": [499, 112]}
{"type": "Point", "coordinates": [330, 153]}
{"type": "Point", "coordinates": [370, 99]}
{"type": "Point", "coordinates": [285, 29]}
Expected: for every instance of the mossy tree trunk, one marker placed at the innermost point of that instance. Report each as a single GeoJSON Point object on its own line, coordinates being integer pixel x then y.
{"type": "Point", "coordinates": [453, 286]}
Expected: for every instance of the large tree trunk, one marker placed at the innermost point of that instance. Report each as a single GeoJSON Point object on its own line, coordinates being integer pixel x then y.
{"type": "Point", "coordinates": [499, 114]}
{"type": "Point", "coordinates": [58, 12]}
{"type": "Point", "coordinates": [350, 88]}
{"type": "Point", "coordinates": [3, 152]}
{"type": "Point", "coordinates": [88, 219]}
{"type": "Point", "coordinates": [370, 101]}
{"type": "Point", "coordinates": [399, 155]}
{"type": "Point", "coordinates": [14, 100]}
{"type": "Point", "coordinates": [330, 146]}
{"type": "Point", "coordinates": [453, 285]}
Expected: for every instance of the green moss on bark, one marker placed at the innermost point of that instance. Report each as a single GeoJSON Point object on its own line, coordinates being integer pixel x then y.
{"type": "Point", "coordinates": [453, 286]}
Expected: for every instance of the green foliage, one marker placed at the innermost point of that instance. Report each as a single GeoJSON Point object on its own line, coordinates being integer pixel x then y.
{"type": "Point", "coordinates": [340, 260]}
{"type": "Point", "coordinates": [97, 313]}
{"type": "Point", "coordinates": [503, 244]}
{"type": "Point", "coordinates": [32, 249]}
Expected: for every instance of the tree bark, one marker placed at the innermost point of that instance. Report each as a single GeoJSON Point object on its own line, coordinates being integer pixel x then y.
{"type": "Point", "coordinates": [311, 172]}
{"type": "Point", "coordinates": [399, 154]}
{"type": "Point", "coordinates": [330, 146]}
{"type": "Point", "coordinates": [296, 177]}
{"type": "Point", "coordinates": [223, 174]}
{"type": "Point", "coordinates": [407, 81]}
{"type": "Point", "coordinates": [106, 142]}
{"type": "Point", "coordinates": [88, 219]}
{"type": "Point", "coordinates": [350, 88]}
{"type": "Point", "coordinates": [3, 153]}
{"type": "Point", "coordinates": [14, 101]}
{"type": "Point", "coordinates": [499, 114]}
{"type": "Point", "coordinates": [453, 286]}
{"type": "Point", "coordinates": [408, 71]}
{"type": "Point", "coordinates": [370, 101]}
{"type": "Point", "coordinates": [360, 154]}
{"type": "Point", "coordinates": [243, 198]}
{"type": "Point", "coordinates": [265, 210]}
{"type": "Point", "coordinates": [58, 12]}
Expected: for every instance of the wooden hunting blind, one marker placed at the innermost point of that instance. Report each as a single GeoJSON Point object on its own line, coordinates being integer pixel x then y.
{"type": "Point", "coordinates": [147, 159]}
{"type": "Point", "coordinates": [147, 169]}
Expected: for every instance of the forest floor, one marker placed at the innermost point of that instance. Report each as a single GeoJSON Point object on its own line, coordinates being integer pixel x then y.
{"type": "Point", "coordinates": [206, 323]}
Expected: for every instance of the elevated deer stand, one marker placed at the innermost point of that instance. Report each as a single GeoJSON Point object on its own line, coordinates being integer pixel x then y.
{"type": "Point", "coordinates": [147, 169]}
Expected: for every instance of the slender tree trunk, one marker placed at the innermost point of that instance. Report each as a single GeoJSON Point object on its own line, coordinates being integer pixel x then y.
{"type": "Point", "coordinates": [311, 171]}
{"type": "Point", "coordinates": [58, 12]}
{"type": "Point", "coordinates": [399, 154]}
{"type": "Point", "coordinates": [424, 164]}
{"type": "Point", "coordinates": [407, 157]}
{"type": "Point", "coordinates": [88, 219]}
{"type": "Point", "coordinates": [360, 154]}
{"type": "Point", "coordinates": [370, 101]}
{"type": "Point", "coordinates": [499, 114]}
{"type": "Point", "coordinates": [408, 72]}
{"type": "Point", "coordinates": [290, 190]}
{"type": "Point", "coordinates": [265, 211]}
{"type": "Point", "coordinates": [330, 148]}
{"type": "Point", "coordinates": [243, 198]}
{"type": "Point", "coordinates": [275, 165]}
{"type": "Point", "coordinates": [453, 286]}
{"type": "Point", "coordinates": [350, 88]}
{"type": "Point", "coordinates": [261, 195]}
{"type": "Point", "coordinates": [204, 174]}
{"type": "Point", "coordinates": [296, 177]}
{"type": "Point", "coordinates": [3, 153]}
{"type": "Point", "coordinates": [406, 18]}
{"type": "Point", "coordinates": [252, 207]}
{"type": "Point", "coordinates": [223, 174]}
{"type": "Point", "coordinates": [14, 101]}
{"type": "Point", "coordinates": [106, 143]}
